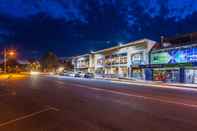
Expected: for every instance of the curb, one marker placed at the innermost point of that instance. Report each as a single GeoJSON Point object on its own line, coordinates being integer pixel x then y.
{"type": "Point", "coordinates": [149, 82]}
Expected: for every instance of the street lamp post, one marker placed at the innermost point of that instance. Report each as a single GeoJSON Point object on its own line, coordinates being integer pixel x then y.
{"type": "Point", "coordinates": [10, 53]}
{"type": "Point", "coordinates": [5, 60]}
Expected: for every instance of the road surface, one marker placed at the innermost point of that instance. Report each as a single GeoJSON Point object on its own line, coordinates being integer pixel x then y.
{"type": "Point", "coordinates": [41, 103]}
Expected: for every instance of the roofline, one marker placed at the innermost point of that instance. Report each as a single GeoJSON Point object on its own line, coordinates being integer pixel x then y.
{"type": "Point", "coordinates": [117, 47]}
{"type": "Point", "coordinates": [177, 47]}
{"type": "Point", "coordinates": [124, 45]}
{"type": "Point", "coordinates": [84, 55]}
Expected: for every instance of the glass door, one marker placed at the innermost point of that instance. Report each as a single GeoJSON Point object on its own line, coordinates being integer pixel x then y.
{"type": "Point", "coordinates": [195, 76]}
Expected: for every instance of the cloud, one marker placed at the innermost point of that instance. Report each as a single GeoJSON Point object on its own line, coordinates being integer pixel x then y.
{"type": "Point", "coordinates": [67, 9]}
{"type": "Point", "coordinates": [18, 8]}
{"type": "Point", "coordinates": [88, 24]}
{"type": "Point", "coordinates": [180, 9]}
{"type": "Point", "coordinates": [152, 7]}
{"type": "Point", "coordinates": [72, 9]}
{"type": "Point", "coordinates": [177, 9]}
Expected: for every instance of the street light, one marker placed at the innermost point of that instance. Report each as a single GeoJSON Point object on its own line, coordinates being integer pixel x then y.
{"type": "Point", "coordinates": [10, 53]}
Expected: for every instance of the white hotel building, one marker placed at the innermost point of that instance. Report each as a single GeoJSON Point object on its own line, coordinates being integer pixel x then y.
{"type": "Point", "coordinates": [125, 60]}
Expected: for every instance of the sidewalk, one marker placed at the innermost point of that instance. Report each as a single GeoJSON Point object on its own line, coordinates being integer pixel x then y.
{"type": "Point", "coordinates": [154, 83]}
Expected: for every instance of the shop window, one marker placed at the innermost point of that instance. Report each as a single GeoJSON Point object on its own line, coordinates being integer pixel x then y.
{"type": "Point", "coordinates": [137, 73]}
{"type": "Point", "coordinates": [100, 71]}
{"type": "Point", "coordinates": [167, 75]}
{"type": "Point", "coordinates": [123, 60]}
{"type": "Point", "coordinates": [100, 61]}
{"type": "Point", "coordinates": [191, 76]}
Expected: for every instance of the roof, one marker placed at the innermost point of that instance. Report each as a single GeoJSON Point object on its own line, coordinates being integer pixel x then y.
{"type": "Point", "coordinates": [85, 55]}
{"type": "Point", "coordinates": [116, 47]}
{"type": "Point", "coordinates": [124, 45]}
{"type": "Point", "coordinates": [177, 41]}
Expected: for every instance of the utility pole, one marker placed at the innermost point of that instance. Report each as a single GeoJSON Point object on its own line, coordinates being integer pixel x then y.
{"type": "Point", "coordinates": [5, 60]}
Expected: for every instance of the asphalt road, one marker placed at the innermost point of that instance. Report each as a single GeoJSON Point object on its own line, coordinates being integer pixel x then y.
{"type": "Point", "coordinates": [41, 103]}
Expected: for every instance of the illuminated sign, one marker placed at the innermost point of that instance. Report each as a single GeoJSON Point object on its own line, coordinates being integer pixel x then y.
{"type": "Point", "coordinates": [160, 58]}
{"type": "Point", "coordinates": [174, 56]}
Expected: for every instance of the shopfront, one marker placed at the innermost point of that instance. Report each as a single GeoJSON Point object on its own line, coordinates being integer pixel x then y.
{"type": "Point", "coordinates": [170, 75]}
{"type": "Point", "coordinates": [191, 76]}
{"type": "Point", "coordinates": [123, 71]}
{"type": "Point", "coordinates": [178, 65]}
{"type": "Point", "coordinates": [137, 59]}
{"type": "Point", "coordinates": [137, 73]}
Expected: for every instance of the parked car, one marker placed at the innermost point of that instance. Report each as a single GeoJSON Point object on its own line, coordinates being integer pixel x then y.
{"type": "Point", "coordinates": [64, 74]}
{"type": "Point", "coordinates": [89, 75]}
{"type": "Point", "coordinates": [71, 74]}
{"type": "Point", "coordinates": [82, 75]}
{"type": "Point", "coordinates": [77, 75]}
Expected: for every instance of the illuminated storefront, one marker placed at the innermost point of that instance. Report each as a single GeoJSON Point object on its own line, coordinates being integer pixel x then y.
{"type": "Point", "coordinates": [178, 64]}
{"type": "Point", "coordinates": [136, 60]}
{"type": "Point", "coordinates": [166, 75]}
{"type": "Point", "coordinates": [137, 73]}
{"type": "Point", "coordinates": [116, 64]}
{"type": "Point", "coordinates": [125, 60]}
{"type": "Point", "coordinates": [191, 76]}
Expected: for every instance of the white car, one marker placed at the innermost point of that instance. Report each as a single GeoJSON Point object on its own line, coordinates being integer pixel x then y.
{"type": "Point", "coordinates": [71, 74]}
{"type": "Point", "coordinates": [82, 75]}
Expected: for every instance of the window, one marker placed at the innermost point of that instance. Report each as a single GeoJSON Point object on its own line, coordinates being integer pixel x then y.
{"type": "Point", "coordinates": [123, 60]}
{"type": "Point", "coordinates": [137, 59]}
{"type": "Point", "coordinates": [100, 61]}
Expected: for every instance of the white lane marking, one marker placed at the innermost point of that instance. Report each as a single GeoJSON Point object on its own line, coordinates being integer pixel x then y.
{"type": "Point", "coordinates": [53, 108]}
{"type": "Point", "coordinates": [137, 96]}
{"type": "Point", "coordinates": [59, 82]}
{"type": "Point", "coordinates": [28, 116]}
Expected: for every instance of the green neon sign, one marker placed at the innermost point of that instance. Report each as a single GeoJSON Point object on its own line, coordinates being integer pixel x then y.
{"type": "Point", "coordinates": [160, 58]}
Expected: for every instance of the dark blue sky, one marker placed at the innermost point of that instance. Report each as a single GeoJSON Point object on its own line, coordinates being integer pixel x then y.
{"type": "Point", "coordinates": [72, 27]}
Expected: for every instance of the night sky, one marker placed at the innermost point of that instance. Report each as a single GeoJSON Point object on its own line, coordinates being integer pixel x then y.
{"type": "Point", "coordinates": [73, 27]}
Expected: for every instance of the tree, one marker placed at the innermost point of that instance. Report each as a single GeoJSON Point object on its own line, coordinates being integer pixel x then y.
{"type": "Point", "coordinates": [49, 62]}
{"type": "Point", "coordinates": [67, 64]}
{"type": "Point", "coordinates": [34, 65]}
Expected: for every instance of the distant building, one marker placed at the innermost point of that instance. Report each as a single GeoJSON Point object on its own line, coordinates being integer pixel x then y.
{"type": "Point", "coordinates": [82, 63]}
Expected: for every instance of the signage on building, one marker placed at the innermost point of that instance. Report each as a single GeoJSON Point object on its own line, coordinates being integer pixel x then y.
{"type": "Point", "coordinates": [174, 56]}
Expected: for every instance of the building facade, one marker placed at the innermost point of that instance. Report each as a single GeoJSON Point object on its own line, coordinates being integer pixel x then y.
{"type": "Point", "coordinates": [175, 60]}
{"type": "Point", "coordinates": [125, 60]}
{"type": "Point", "coordinates": [81, 63]}
{"type": "Point", "coordinates": [172, 60]}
